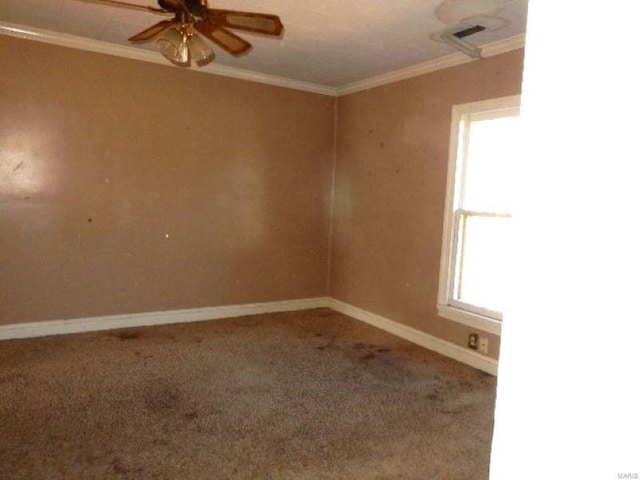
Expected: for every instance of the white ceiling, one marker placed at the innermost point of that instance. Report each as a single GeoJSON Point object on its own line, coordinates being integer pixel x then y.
{"type": "Point", "coordinates": [326, 42]}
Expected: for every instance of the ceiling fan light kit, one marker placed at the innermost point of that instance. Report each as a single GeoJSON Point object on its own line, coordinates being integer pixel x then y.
{"type": "Point", "coordinates": [182, 44]}
{"type": "Point", "coordinates": [180, 39]}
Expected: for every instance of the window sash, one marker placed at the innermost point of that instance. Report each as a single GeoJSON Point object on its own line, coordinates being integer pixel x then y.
{"type": "Point", "coordinates": [457, 255]}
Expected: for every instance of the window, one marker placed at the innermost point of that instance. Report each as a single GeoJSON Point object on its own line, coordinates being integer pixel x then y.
{"type": "Point", "coordinates": [483, 149]}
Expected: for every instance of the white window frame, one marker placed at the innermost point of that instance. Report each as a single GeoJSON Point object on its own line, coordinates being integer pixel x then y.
{"type": "Point", "coordinates": [448, 307]}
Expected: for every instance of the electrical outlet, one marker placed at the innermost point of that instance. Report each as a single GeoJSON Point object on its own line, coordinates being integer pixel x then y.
{"type": "Point", "coordinates": [483, 346]}
{"type": "Point", "coordinates": [473, 341]}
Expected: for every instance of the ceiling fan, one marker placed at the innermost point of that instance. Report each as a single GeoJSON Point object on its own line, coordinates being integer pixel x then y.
{"type": "Point", "coordinates": [179, 38]}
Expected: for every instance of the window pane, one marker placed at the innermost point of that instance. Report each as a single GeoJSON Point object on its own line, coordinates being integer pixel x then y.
{"type": "Point", "coordinates": [489, 162]}
{"type": "Point", "coordinates": [481, 266]}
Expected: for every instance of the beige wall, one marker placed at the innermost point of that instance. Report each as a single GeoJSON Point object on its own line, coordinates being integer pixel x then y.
{"type": "Point", "coordinates": [131, 187]}
{"type": "Point", "coordinates": [390, 188]}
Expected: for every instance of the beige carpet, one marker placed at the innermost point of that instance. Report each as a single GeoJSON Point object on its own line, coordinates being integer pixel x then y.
{"type": "Point", "coordinates": [303, 395]}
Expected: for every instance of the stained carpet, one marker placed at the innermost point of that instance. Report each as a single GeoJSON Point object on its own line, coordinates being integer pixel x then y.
{"type": "Point", "coordinates": [301, 395]}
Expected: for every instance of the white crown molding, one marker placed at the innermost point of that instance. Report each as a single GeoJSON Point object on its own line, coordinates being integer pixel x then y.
{"type": "Point", "coordinates": [488, 50]}
{"type": "Point", "coordinates": [81, 43]}
{"type": "Point", "coordinates": [111, 322]}
{"type": "Point", "coordinates": [443, 347]}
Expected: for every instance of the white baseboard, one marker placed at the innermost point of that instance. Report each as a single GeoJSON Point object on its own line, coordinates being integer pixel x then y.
{"type": "Point", "coordinates": [448, 349]}
{"type": "Point", "coordinates": [110, 322]}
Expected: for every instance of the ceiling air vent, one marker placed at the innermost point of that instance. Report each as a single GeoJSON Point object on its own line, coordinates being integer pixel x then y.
{"type": "Point", "coordinates": [457, 35]}
{"type": "Point", "coordinates": [469, 31]}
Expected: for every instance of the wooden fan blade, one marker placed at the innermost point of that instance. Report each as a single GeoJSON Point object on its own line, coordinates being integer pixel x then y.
{"type": "Point", "coordinates": [223, 37]}
{"type": "Point", "coordinates": [251, 22]}
{"type": "Point", "coordinates": [152, 31]}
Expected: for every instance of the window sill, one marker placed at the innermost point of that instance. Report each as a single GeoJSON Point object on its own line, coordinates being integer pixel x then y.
{"type": "Point", "coordinates": [469, 319]}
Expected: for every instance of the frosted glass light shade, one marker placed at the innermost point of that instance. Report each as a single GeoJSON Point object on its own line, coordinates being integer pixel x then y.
{"type": "Point", "coordinates": [200, 52]}
{"type": "Point", "coordinates": [173, 46]}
